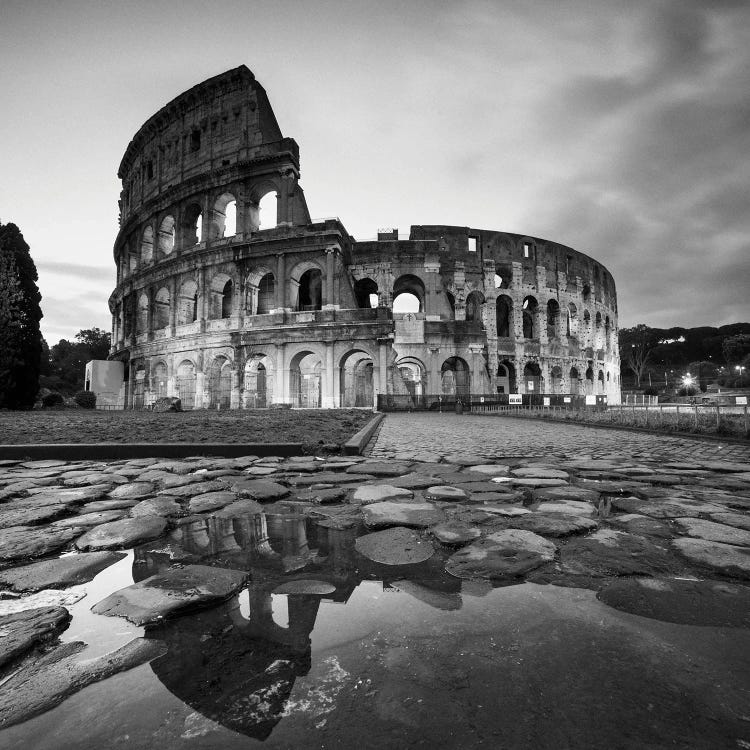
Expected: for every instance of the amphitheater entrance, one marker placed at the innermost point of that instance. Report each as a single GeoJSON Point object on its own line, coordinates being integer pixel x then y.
{"type": "Point", "coordinates": [186, 384]}
{"type": "Point", "coordinates": [159, 380]}
{"type": "Point", "coordinates": [258, 382]}
{"type": "Point", "coordinates": [455, 377]}
{"type": "Point", "coordinates": [505, 381]}
{"type": "Point", "coordinates": [412, 377]}
{"type": "Point", "coordinates": [575, 382]}
{"type": "Point", "coordinates": [139, 388]}
{"type": "Point", "coordinates": [532, 377]}
{"type": "Point", "coordinates": [305, 380]}
{"type": "Point", "coordinates": [220, 384]}
{"type": "Point", "coordinates": [356, 379]}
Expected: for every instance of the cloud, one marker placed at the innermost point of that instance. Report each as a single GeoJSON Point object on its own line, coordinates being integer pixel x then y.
{"type": "Point", "coordinates": [77, 270]}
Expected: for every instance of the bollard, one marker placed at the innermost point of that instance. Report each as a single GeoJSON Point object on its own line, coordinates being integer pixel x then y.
{"type": "Point", "coordinates": [718, 416]}
{"type": "Point", "coordinates": [696, 417]}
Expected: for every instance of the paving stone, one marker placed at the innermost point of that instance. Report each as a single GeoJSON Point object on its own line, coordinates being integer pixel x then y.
{"type": "Point", "coordinates": [568, 492]}
{"type": "Point", "coordinates": [305, 587]}
{"type": "Point", "coordinates": [678, 507]}
{"type": "Point", "coordinates": [439, 492]}
{"type": "Point", "coordinates": [262, 490]}
{"type": "Point", "coordinates": [172, 481]}
{"type": "Point", "coordinates": [89, 519]}
{"type": "Point", "coordinates": [704, 603]}
{"type": "Point", "coordinates": [723, 558]}
{"type": "Point", "coordinates": [331, 495]}
{"type": "Point", "coordinates": [71, 494]}
{"type": "Point", "coordinates": [263, 471]}
{"type": "Point", "coordinates": [413, 481]}
{"type": "Point", "coordinates": [101, 505]}
{"type": "Point", "coordinates": [569, 507]}
{"type": "Point", "coordinates": [455, 532]}
{"type": "Point", "coordinates": [391, 513]}
{"type": "Point", "coordinates": [46, 463]}
{"type": "Point", "coordinates": [643, 525]}
{"type": "Point", "coordinates": [465, 460]}
{"type": "Point", "coordinates": [48, 681]}
{"type": "Point", "coordinates": [58, 573]}
{"type": "Point", "coordinates": [396, 546]}
{"type": "Point", "coordinates": [737, 520]}
{"type": "Point", "coordinates": [505, 554]}
{"type": "Point", "coordinates": [175, 467]}
{"type": "Point", "coordinates": [541, 482]}
{"type": "Point", "coordinates": [728, 466]}
{"type": "Point", "coordinates": [393, 469]}
{"type": "Point", "coordinates": [554, 524]}
{"type": "Point", "coordinates": [157, 506]}
{"type": "Point", "coordinates": [198, 488]}
{"type": "Point", "coordinates": [510, 511]}
{"type": "Point", "coordinates": [43, 598]}
{"type": "Point", "coordinates": [495, 470]}
{"type": "Point", "coordinates": [173, 592]}
{"type": "Point", "coordinates": [210, 501]}
{"type": "Point", "coordinates": [326, 477]}
{"type": "Point", "coordinates": [134, 490]}
{"type": "Point", "coordinates": [497, 497]}
{"type": "Point", "coordinates": [713, 532]}
{"type": "Point", "coordinates": [244, 507]}
{"type": "Point", "coordinates": [124, 533]}
{"type": "Point", "coordinates": [539, 473]}
{"type": "Point", "coordinates": [628, 504]}
{"type": "Point", "coordinates": [22, 631]}
{"type": "Point", "coordinates": [374, 493]}
{"type": "Point", "coordinates": [20, 542]}
{"type": "Point", "coordinates": [28, 516]}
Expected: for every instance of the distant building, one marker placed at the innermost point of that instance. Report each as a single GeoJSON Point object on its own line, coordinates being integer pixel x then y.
{"type": "Point", "coordinates": [225, 306]}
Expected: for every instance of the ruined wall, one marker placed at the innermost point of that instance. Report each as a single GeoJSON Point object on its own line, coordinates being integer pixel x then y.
{"type": "Point", "coordinates": [221, 305]}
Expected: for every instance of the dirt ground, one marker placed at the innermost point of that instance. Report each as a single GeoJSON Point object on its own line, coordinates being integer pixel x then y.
{"type": "Point", "coordinates": [310, 427]}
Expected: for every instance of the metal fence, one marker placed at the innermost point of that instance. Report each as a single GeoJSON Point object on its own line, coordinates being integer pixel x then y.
{"type": "Point", "coordinates": [484, 403]}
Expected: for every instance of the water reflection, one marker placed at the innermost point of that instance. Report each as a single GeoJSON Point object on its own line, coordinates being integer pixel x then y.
{"type": "Point", "coordinates": [234, 663]}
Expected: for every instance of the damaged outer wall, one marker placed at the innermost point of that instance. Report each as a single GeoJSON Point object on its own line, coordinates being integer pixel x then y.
{"type": "Point", "coordinates": [314, 339]}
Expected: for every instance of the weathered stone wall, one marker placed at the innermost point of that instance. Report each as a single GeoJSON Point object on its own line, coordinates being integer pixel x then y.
{"type": "Point", "coordinates": [234, 314]}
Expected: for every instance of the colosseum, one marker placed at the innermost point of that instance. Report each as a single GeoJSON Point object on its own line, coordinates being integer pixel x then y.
{"type": "Point", "coordinates": [230, 296]}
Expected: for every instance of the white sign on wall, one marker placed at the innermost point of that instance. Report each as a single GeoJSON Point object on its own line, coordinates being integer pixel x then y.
{"type": "Point", "coordinates": [515, 398]}
{"type": "Point", "coordinates": [566, 399]}
{"type": "Point", "coordinates": [546, 401]}
{"type": "Point", "coordinates": [741, 400]}
{"type": "Point", "coordinates": [590, 400]}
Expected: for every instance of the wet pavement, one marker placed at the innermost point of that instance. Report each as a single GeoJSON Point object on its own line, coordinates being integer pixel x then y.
{"type": "Point", "coordinates": [494, 593]}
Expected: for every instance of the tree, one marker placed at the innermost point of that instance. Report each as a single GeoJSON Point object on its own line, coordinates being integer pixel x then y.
{"type": "Point", "coordinates": [735, 348]}
{"type": "Point", "coordinates": [20, 313]}
{"type": "Point", "coordinates": [68, 359]}
{"type": "Point", "coordinates": [636, 345]}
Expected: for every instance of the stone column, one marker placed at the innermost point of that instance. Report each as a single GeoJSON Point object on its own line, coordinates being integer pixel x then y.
{"type": "Point", "coordinates": [171, 377]}
{"type": "Point", "coordinates": [433, 374]}
{"type": "Point", "coordinates": [234, 396]}
{"type": "Point", "coordinates": [383, 366]}
{"type": "Point", "coordinates": [173, 306]}
{"type": "Point", "coordinates": [329, 396]}
{"type": "Point", "coordinates": [205, 221]}
{"type": "Point", "coordinates": [330, 269]}
{"type": "Point", "coordinates": [280, 282]}
{"type": "Point", "coordinates": [281, 377]}
{"type": "Point", "coordinates": [202, 301]}
{"type": "Point", "coordinates": [150, 317]}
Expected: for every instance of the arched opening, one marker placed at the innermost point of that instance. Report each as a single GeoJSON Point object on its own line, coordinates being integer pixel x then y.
{"type": "Point", "coordinates": [451, 303]}
{"type": "Point", "coordinates": [503, 276]}
{"type": "Point", "coordinates": [506, 377]}
{"type": "Point", "coordinates": [159, 380]}
{"type": "Point", "coordinates": [220, 383]}
{"type": "Point", "coordinates": [498, 281]}
{"type": "Point", "coordinates": [187, 303]}
{"type": "Point", "coordinates": [161, 309]}
{"type": "Point", "coordinates": [586, 292]}
{"type": "Point", "coordinates": [267, 211]}
{"type": "Point", "coordinates": [411, 378]}
{"type": "Point", "coordinates": [572, 324]}
{"type": "Point", "coordinates": [222, 296]}
{"type": "Point", "coordinates": [166, 236]}
{"type": "Point", "coordinates": [587, 323]}
{"type": "Point", "coordinates": [224, 217]}
{"type": "Point", "coordinates": [305, 380]}
{"type": "Point", "coordinates": [455, 377]}
{"type": "Point", "coordinates": [553, 318]}
{"type": "Point", "coordinates": [607, 333]}
{"type": "Point", "coordinates": [258, 383]}
{"type": "Point", "coordinates": [474, 303]}
{"type": "Point", "coordinates": [147, 245]}
{"type": "Point", "coordinates": [366, 293]}
{"type": "Point", "coordinates": [356, 379]}
{"type": "Point", "coordinates": [411, 289]}
{"type": "Point", "coordinates": [598, 320]}
{"type": "Point", "coordinates": [532, 376]}
{"type": "Point", "coordinates": [503, 313]}
{"type": "Point", "coordinates": [575, 385]}
{"type": "Point", "coordinates": [600, 382]}
{"type": "Point", "coordinates": [310, 290]}
{"type": "Point", "coordinates": [186, 384]}
{"type": "Point", "coordinates": [141, 320]}
{"type": "Point", "coordinates": [556, 376]}
{"type": "Point", "coordinates": [530, 306]}
{"type": "Point", "coordinates": [192, 225]}
{"type": "Point", "coordinates": [589, 384]}
{"type": "Point", "coordinates": [139, 387]}
{"type": "Point", "coordinates": [266, 294]}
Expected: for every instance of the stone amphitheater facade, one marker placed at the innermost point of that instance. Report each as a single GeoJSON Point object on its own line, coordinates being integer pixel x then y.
{"type": "Point", "coordinates": [224, 306]}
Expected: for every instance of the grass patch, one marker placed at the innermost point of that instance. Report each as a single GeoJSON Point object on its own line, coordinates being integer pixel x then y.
{"type": "Point", "coordinates": [312, 427]}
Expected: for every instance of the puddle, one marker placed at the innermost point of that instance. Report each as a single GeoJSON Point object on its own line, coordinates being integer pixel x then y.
{"type": "Point", "coordinates": [396, 656]}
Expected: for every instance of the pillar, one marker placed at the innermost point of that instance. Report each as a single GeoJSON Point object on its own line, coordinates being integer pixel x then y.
{"type": "Point", "coordinates": [281, 377]}
{"type": "Point", "coordinates": [280, 282]}
{"type": "Point", "coordinates": [434, 384]}
{"type": "Point", "coordinates": [202, 302]}
{"type": "Point", "coordinates": [205, 220]}
{"type": "Point", "coordinates": [383, 366]}
{"type": "Point", "coordinates": [330, 397]}
{"type": "Point", "coordinates": [329, 303]}
{"type": "Point", "coordinates": [173, 307]}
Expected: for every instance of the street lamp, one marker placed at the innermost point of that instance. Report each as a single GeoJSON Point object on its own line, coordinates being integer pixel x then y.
{"type": "Point", "coordinates": [687, 381]}
{"type": "Point", "coordinates": [740, 369]}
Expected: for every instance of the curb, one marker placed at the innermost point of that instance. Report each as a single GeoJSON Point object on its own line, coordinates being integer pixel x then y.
{"type": "Point", "coordinates": [356, 444]}
{"type": "Point", "coordinates": [87, 451]}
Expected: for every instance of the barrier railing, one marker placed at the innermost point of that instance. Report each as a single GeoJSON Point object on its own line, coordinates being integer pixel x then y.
{"type": "Point", "coordinates": [486, 403]}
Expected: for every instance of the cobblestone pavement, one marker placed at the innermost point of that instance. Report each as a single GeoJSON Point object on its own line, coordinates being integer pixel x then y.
{"type": "Point", "coordinates": [421, 436]}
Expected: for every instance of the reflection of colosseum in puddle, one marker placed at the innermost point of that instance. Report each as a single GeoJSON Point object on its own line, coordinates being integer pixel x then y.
{"type": "Point", "coordinates": [229, 295]}
{"type": "Point", "coordinates": [235, 664]}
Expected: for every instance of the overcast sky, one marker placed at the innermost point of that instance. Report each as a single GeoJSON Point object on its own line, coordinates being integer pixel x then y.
{"type": "Point", "coordinates": [619, 128]}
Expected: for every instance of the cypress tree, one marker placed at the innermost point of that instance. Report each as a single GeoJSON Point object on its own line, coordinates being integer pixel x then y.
{"type": "Point", "coordinates": [20, 339]}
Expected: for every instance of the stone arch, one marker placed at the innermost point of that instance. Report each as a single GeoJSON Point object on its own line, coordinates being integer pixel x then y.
{"type": "Point", "coordinates": [147, 245]}
{"type": "Point", "coordinates": [185, 383]}
{"type": "Point", "coordinates": [412, 285]}
{"type": "Point", "coordinates": [600, 382]}
{"type": "Point", "coordinates": [530, 307]}
{"type": "Point", "coordinates": [161, 308]}
{"type": "Point", "coordinates": [474, 303]}
{"type": "Point", "coordinates": [159, 379]}
{"type": "Point", "coordinates": [187, 303]}
{"type": "Point", "coordinates": [504, 316]}
{"type": "Point", "coordinates": [141, 319]}
{"type": "Point", "coordinates": [166, 236]}
{"type": "Point", "coordinates": [220, 383]}
{"type": "Point", "coordinates": [506, 377]}
{"type": "Point", "coordinates": [556, 379]}
{"type": "Point", "coordinates": [503, 276]}
{"type": "Point", "coordinates": [356, 370]}
{"type": "Point", "coordinates": [305, 381]}
{"type": "Point", "coordinates": [412, 375]}
{"type": "Point", "coordinates": [455, 377]}
{"type": "Point", "coordinates": [224, 216]}
{"type": "Point", "coordinates": [306, 286]}
{"type": "Point", "coordinates": [532, 378]}
{"type": "Point", "coordinates": [553, 318]}
{"type": "Point", "coordinates": [575, 383]}
{"type": "Point", "coordinates": [221, 300]}
{"type": "Point", "coordinates": [258, 384]}
{"type": "Point", "coordinates": [191, 225]}
{"type": "Point", "coordinates": [589, 382]}
{"type": "Point", "coordinates": [366, 293]}
{"type": "Point", "coordinates": [260, 286]}
{"type": "Point", "coordinates": [572, 323]}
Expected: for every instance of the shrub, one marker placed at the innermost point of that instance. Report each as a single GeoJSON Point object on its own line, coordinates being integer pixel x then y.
{"type": "Point", "coordinates": [85, 399]}
{"type": "Point", "coordinates": [52, 399]}
{"type": "Point", "coordinates": [651, 391]}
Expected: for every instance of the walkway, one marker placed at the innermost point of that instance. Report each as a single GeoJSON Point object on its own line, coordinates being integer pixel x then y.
{"type": "Point", "coordinates": [423, 436]}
